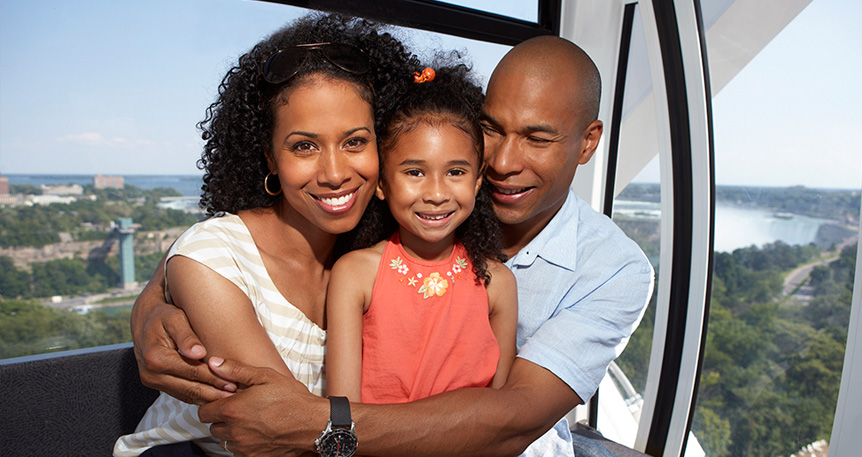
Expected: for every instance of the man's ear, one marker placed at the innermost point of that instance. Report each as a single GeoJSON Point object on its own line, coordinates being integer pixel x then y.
{"type": "Point", "coordinates": [590, 141]}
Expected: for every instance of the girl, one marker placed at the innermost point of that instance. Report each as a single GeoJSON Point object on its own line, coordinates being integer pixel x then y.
{"type": "Point", "coordinates": [431, 308]}
{"type": "Point", "coordinates": [291, 163]}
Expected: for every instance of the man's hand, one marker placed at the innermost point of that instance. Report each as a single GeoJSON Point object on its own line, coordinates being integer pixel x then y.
{"type": "Point", "coordinates": [168, 351]}
{"type": "Point", "coordinates": [271, 414]}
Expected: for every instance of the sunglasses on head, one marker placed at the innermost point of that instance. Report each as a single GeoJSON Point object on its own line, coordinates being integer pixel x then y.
{"type": "Point", "coordinates": [284, 63]}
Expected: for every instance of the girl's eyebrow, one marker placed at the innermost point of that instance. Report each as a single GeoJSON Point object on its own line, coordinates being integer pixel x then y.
{"type": "Point", "coordinates": [461, 162]}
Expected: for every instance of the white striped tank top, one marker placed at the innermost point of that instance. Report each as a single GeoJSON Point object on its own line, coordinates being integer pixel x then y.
{"type": "Point", "coordinates": [225, 245]}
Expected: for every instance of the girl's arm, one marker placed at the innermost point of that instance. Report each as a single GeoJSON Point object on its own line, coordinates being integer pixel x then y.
{"type": "Point", "coordinates": [347, 296]}
{"type": "Point", "coordinates": [221, 314]}
{"type": "Point", "coordinates": [503, 314]}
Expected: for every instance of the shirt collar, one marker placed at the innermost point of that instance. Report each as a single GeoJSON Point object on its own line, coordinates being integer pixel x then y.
{"type": "Point", "coordinates": [557, 242]}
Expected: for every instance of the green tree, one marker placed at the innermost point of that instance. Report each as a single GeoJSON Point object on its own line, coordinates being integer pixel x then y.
{"type": "Point", "coordinates": [14, 282]}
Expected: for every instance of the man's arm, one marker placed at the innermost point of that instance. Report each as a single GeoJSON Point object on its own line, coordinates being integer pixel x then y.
{"type": "Point", "coordinates": [168, 351]}
{"type": "Point", "coordinates": [276, 414]}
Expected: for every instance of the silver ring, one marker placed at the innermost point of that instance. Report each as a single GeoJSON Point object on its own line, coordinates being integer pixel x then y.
{"type": "Point", "coordinates": [224, 445]}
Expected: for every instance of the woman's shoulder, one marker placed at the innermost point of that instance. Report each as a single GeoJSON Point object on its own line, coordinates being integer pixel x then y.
{"type": "Point", "coordinates": [222, 229]}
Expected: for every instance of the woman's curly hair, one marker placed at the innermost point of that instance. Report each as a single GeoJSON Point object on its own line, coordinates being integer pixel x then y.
{"type": "Point", "coordinates": [238, 125]}
{"type": "Point", "coordinates": [452, 98]}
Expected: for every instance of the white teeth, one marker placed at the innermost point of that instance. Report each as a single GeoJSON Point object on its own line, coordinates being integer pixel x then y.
{"type": "Point", "coordinates": [434, 218]}
{"type": "Point", "coordinates": [337, 201]}
{"type": "Point", "coordinates": [509, 191]}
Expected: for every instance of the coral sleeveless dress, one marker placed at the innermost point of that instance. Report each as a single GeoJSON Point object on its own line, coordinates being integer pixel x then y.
{"type": "Point", "coordinates": [426, 330]}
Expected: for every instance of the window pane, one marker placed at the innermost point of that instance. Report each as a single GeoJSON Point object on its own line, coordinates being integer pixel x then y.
{"type": "Point", "coordinates": [788, 177]}
{"type": "Point", "coordinates": [116, 91]}
{"type": "Point", "coordinates": [518, 9]}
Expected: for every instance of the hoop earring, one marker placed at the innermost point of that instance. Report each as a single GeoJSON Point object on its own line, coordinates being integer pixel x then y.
{"type": "Point", "coordinates": [266, 184]}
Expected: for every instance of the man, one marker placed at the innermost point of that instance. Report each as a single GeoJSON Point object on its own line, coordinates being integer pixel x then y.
{"type": "Point", "coordinates": [582, 289]}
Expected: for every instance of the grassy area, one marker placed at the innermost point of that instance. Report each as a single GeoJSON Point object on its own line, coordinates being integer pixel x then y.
{"type": "Point", "coordinates": [124, 298]}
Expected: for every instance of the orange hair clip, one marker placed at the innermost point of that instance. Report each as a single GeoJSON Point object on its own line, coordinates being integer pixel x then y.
{"type": "Point", "coordinates": [427, 74]}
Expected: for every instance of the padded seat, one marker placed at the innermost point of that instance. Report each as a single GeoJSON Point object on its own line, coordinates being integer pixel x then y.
{"type": "Point", "coordinates": [73, 403]}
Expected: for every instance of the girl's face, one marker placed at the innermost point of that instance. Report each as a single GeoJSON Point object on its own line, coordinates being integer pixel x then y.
{"type": "Point", "coordinates": [325, 154]}
{"type": "Point", "coordinates": [430, 180]}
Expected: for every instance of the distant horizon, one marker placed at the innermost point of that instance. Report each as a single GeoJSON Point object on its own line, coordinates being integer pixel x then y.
{"type": "Point", "coordinates": [80, 175]}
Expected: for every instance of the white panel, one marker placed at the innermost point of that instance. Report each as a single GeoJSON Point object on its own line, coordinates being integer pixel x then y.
{"type": "Point", "coordinates": [846, 439]}
{"type": "Point", "coordinates": [595, 25]}
{"type": "Point", "coordinates": [745, 28]}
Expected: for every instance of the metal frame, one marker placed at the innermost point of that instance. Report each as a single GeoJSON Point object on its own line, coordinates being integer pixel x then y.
{"type": "Point", "coordinates": [675, 36]}
{"type": "Point", "coordinates": [445, 18]}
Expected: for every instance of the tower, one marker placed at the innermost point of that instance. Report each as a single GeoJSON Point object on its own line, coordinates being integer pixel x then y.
{"type": "Point", "coordinates": [127, 253]}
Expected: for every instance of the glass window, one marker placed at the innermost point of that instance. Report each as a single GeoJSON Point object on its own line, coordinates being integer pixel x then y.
{"type": "Point", "coordinates": [97, 124]}
{"type": "Point", "coordinates": [518, 9]}
{"type": "Point", "coordinates": [788, 199]}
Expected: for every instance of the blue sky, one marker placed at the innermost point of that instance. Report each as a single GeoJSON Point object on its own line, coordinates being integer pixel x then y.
{"type": "Point", "coordinates": [100, 86]}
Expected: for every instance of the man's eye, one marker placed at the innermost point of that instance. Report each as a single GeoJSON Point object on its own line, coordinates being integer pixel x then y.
{"type": "Point", "coordinates": [488, 129]}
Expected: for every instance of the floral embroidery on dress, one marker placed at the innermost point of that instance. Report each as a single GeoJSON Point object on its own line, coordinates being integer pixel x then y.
{"type": "Point", "coordinates": [435, 285]}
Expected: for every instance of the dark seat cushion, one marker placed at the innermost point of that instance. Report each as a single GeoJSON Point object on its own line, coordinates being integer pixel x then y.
{"type": "Point", "coordinates": [74, 403]}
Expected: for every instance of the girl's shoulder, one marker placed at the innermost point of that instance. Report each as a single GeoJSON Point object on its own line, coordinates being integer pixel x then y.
{"type": "Point", "coordinates": [502, 279]}
{"type": "Point", "coordinates": [361, 259]}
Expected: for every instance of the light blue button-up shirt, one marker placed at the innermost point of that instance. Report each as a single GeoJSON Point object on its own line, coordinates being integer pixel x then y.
{"type": "Point", "coordinates": [583, 286]}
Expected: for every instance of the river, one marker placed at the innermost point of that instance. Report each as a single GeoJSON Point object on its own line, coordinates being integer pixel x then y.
{"type": "Point", "coordinates": [737, 227]}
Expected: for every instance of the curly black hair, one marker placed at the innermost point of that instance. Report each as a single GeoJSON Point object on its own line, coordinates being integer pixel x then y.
{"type": "Point", "coordinates": [237, 127]}
{"type": "Point", "coordinates": [454, 98]}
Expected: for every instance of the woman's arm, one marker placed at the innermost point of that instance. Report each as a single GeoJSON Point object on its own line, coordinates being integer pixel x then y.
{"type": "Point", "coordinates": [503, 314]}
{"type": "Point", "coordinates": [221, 314]}
{"type": "Point", "coordinates": [168, 351]}
{"type": "Point", "coordinates": [347, 297]}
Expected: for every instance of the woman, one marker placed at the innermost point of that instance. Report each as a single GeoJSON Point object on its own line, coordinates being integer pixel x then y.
{"type": "Point", "coordinates": [291, 163]}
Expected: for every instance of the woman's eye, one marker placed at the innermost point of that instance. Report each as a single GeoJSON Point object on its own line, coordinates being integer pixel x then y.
{"type": "Point", "coordinates": [354, 143]}
{"type": "Point", "coordinates": [303, 147]}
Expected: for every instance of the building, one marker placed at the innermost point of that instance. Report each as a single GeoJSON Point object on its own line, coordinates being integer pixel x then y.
{"type": "Point", "coordinates": [72, 189]}
{"type": "Point", "coordinates": [108, 182]}
{"type": "Point", "coordinates": [4, 186]}
{"type": "Point", "coordinates": [127, 253]}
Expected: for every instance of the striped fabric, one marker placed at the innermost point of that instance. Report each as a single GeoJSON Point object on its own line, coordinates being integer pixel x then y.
{"type": "Point", "coordinates": [224, 244]}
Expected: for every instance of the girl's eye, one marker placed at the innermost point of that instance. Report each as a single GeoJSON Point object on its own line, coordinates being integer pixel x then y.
{"type": "Point", "coordinates": [414, 172]}
{"type": "Point", "coordinates": [456, 172]}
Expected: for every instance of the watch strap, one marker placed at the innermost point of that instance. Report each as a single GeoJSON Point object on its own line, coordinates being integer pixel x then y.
{"type": "Point", "coordinates": [339, 412]}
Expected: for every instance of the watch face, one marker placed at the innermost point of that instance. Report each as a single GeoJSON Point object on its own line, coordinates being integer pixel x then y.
{"type": "Point", "coordinates": [337, 443]}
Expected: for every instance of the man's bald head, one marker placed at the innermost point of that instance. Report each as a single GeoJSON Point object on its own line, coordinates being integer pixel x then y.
{"type": "Point", "coordinates": [551, 60]}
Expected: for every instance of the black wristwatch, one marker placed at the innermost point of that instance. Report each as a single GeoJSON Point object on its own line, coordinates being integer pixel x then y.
{"type": "Point", "coordinates": [339, 438]}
